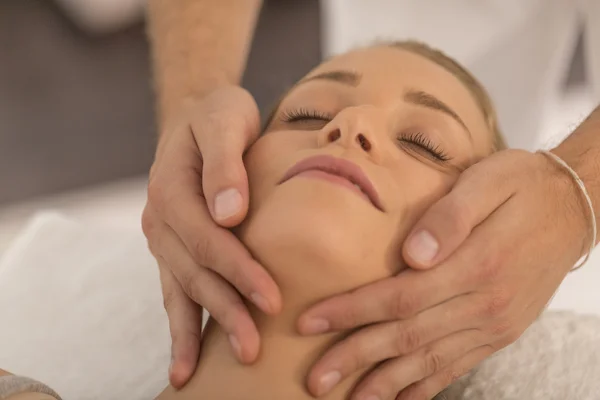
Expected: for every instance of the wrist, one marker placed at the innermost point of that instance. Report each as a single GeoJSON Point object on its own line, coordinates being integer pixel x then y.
{"type": "Point", "coordinates": [571, 212]}
{"type": "Point", "coordinates": [174, 98]}
{"type": "Point", "coordinates": [179, 104]}
{"type": "Point", "coordinates": [581, 151]}
{"type": "Point", "coordinates": [582, 215]}
{"type": "Point", "coordinates": [586, 164]}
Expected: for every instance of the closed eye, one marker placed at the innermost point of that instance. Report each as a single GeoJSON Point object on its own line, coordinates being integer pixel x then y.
{"type": "Point", "coordinates": [304, 114]}
{"type": "Point", "coordinates": [420, 141]}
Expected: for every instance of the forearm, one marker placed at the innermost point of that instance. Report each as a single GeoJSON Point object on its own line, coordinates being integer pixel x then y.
{"type": "Point", "coordinates": [581, 150]}
{"type": "Point", "coordinates": [197, 46]}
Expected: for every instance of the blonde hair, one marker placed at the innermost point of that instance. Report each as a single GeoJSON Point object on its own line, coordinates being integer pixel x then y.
{"type": "Point", "coordinates": [473, 85]}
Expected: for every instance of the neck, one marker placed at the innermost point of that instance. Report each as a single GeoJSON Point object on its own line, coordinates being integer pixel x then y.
{"type": "Point", "coordinates": [285, 357]}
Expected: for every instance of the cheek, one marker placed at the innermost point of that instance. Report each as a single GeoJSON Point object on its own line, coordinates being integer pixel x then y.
{"type": "Point", "coordinates": [269, 158]}
{"type": "Point", "coordinates": [416, 187]}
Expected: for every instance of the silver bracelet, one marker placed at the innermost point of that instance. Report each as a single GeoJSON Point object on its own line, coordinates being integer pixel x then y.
{"type": "Point", "coordinates": [12, 384]}
{"type": "Point", "coordinates": [588, 200]}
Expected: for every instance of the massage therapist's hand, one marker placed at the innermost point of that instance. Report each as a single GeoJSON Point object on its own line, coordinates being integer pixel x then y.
{"type": "Point", "coordinates": [198, 185]}
{"type": "Point", "coordinates": [485, 260]}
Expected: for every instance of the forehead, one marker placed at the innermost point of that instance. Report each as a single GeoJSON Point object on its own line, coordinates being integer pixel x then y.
{"type": "Point", "coordinates": [387, 72]}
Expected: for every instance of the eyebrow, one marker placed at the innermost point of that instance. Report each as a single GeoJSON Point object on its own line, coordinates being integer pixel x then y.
{"type": "Point", "coordinates": [420, 98]}
{"type": "Point", "coordinates": [349, 78]}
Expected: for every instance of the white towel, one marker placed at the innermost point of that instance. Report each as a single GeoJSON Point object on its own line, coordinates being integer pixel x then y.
{"type": "Point", "coordinates": [81, 311]}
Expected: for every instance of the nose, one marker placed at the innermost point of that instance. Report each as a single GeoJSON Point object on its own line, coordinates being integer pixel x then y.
{"type": "Point", "coordinates": [354, 127]}
{"type": "Point", "coordinates": [361, 140]}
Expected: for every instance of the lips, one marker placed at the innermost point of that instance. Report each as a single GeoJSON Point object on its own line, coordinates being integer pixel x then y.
{"type": "Point", "coordinates": [337, 170]}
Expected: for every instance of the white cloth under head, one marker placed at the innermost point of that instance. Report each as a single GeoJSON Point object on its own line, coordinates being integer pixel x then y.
{"type": "Point", "coordinates": [82, 311]}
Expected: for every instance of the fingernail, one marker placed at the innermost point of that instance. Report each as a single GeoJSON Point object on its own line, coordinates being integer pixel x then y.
{"type": "Point", "coordinates": [328, 381]}
{"type": "Point", "coordinates": [260, 302]}
{"type": "Point", "coordinates": [423, 247]}
{"type": "Point", "coordinates": [315, 326]}
{"type": "Point", "coordinates": [235, 344]}
{"type": "Point", "coordinates": [227, 203]}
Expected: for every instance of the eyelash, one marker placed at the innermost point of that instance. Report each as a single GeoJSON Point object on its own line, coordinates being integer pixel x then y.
{"type": "Point", "coordinates": [303, 114]}
{"type": "Point", "coordinates": [418, 139]}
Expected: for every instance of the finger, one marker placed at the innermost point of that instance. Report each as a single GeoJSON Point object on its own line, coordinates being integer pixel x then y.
{"type": "Point", "coordinates": [427, 388]}
{"type": "Point", "coordinates": [380, 342]}
{"type": "Point", "coordinates": [393, 376]}
{"type": "Point", "coordinates": [446, 224]}
{"type": "Point", "coordinates": [185, 325]}
{"type": "Point", "coordinates": [220, 250]}
{"type": "Point", "coordinates": [208, 289]}
{"type": "Point", "coordinates": [394, 298]}
{"type": "Point", "coordinates": [223, 134]}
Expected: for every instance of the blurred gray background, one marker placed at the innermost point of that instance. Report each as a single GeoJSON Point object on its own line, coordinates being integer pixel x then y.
{"type": "Point", "coordinates": [76, 108]}
{"type": "Point", "coordinates": [76, 102]}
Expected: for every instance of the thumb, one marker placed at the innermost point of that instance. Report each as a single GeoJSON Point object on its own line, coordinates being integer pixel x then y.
{"type": "Point", "coordinates": [449, 221]}
{"type": "Point", "coordinates": [225, 185]}
{"type": "Point", "coordinates": [223, 138]}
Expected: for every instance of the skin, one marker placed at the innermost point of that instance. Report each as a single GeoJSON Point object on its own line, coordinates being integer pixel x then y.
{"type": "Point", "coordinates": [317, 238]}
{"type": "Point", "coordinates": [501, 278]}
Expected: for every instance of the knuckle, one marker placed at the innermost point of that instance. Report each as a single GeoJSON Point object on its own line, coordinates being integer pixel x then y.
{"type": "Point", "coordinates": [358, 352]}
{"type": "Point", "coordinates": [148, 223]}
{"type": "Point", "coordinates": [183, 337]}
{"type": "Point", "coordinates": [228, 313]}
{"type": "Point", "coordinates": [498, 303]}
{"type": "Point", "coordinates": [350, 316]}
{"type": "Point", "coordinates": [169, 300]}
{"type": "Point", "coordinates": [156, 195]}
{"type": "Point", "coordinates": [403, 304]}
{"type": "Point", "coordinates": [203, 250]}
{"type": "Point", "coordinates": [433, 362]}
{"type": "Point", "coordinates": [237, 279]}
{"type": "Point", "coordinates": [502, 329]}
{"type": "Point", "coordinates": [407, 339]}
{"type": "Point", "coordinates": [191, 285]}
{"type": "Point", "coordinates": [488, 267]}
{"type": "Point", "coordinates": [459, 215]}
{"type": "Point", "coordinates": [451, 375]}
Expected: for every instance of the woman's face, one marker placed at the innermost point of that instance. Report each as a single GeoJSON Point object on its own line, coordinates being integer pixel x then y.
{"type": "Point", "coordinates": [403, 121]}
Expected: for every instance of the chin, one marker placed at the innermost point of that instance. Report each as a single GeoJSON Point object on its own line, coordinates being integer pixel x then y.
{"type": "Point", "coordinates": [326, 227]}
